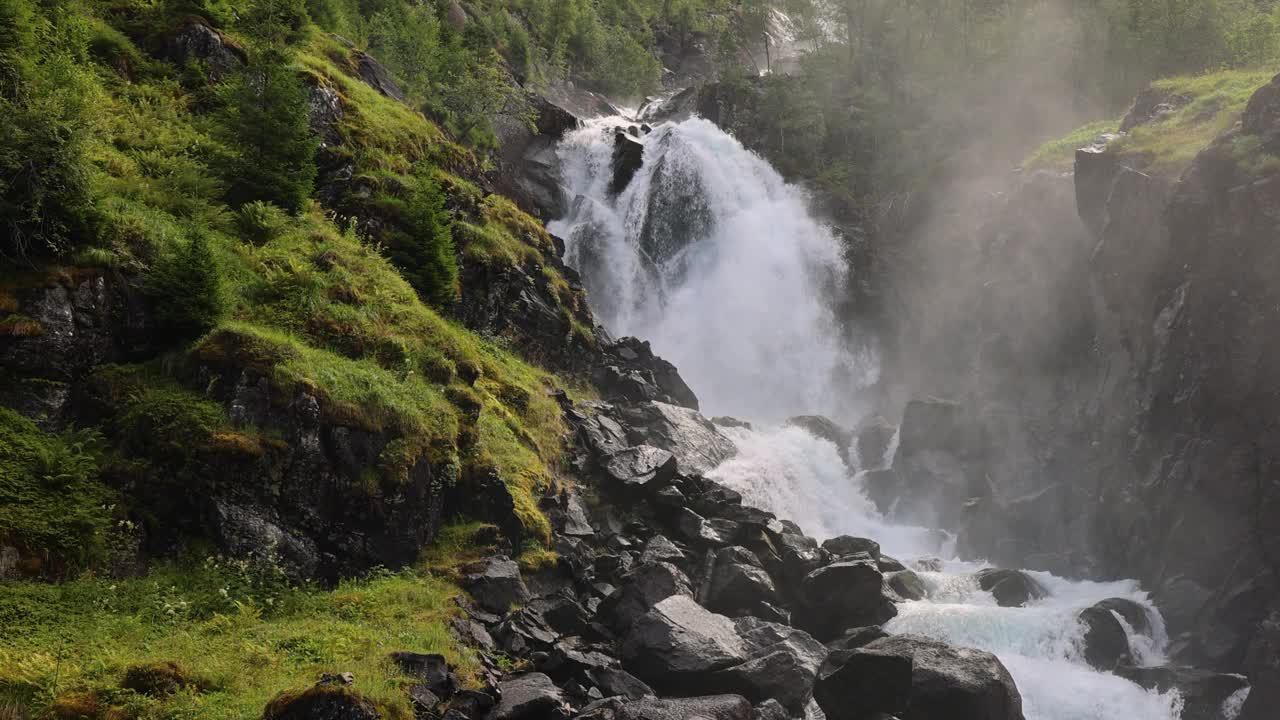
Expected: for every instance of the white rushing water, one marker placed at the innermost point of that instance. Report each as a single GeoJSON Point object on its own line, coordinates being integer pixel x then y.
{"type": "Point", "coordinates": [714, 259]}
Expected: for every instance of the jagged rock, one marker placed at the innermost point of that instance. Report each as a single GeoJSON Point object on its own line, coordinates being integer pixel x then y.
{"type": "Point", "coordinates": [495, 583]}
{"type": "Point", "coordinates": [640, 466]}
{"type": "Point", "coordinates": [527, 168]}
{"type": "Point", "coordinates": [907, 584]}
{"type": "Point", "coordinates": [628, 156]}
{"type": "Point", "coordinates": [376, 76]}
{"type": "Point", "coordinates": [1106, 644]}
{"type": "Point", "coordinates": [195, 40]}
{"type": "Point", "coordinates": [325, 113]}
{"type": "Point", "coordinates": [825, 429]}
{"type": "Point", "coordinates": [697, 444]}
{"type": "Point", "coordinates": [1202, 691]}
{"type": "Point", "coordinates": [738, 584]}
{"type": "Point", "coordinates": [952, 683]}
{"type": "Point", "coordinates": [529, 696]}
{"type": "Point", "coordinates": [714, 707]}
{"type": "Point", "coordinates": [1133, 613]}
{"type": "Point", "coordinates": [889, 565]}
{"type": "Point", "coordinates": [699, 530]}
{"type": "Point", "coordinates": [641, 589]}
{"type": "Point", "coordinates": [660, 549]}
{"type": "Point", "coordinates": [863, 683]}
{"type": "Point", "coordinates": [843, 595]}
{"type": "Point", "coordinates": [941, 463]}
{"type": "Point", "coordinates": [845, 545]}
{"type": "Point", "coordinates": [1011, 588]}
{"type": "Point", "coordinates": [770, 710]}
{"type": "Point", "coordinates": [614, 682]}
{"type": "Point", "coordinates": [1150, 106]}
{"type": "Point", "coordinates": [783, 664]}
{"type": "Point", "coordinates": [678, 643]}
{"type": "Point", "coordinates": [854, 638]}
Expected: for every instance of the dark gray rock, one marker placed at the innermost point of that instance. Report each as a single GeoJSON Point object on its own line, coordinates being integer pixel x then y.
{"type": "Point", "coordinates": [713, 707]}
{"type": "Point", "coordinates": [770, 710]}
{"type": "Point", "coordinates": [1202, 691]}
{"type": "Point", "coordinates": [660, 549]}
{"type": "Point", "coordinates": [907, 584]}
{"type": "Point", "coordinates": [495, 583]}
{"type": "Point", "coordinates": [639, 376]}
{"type": "Point", "coordinates": [431, 671]}
{"type": "Point", "coordinates": [873, 440]}
{"type": "Point", "coordinates": [738, 584]}
{"type": "Point", "coordinates": [701, 531]}
{"type": "Point", "coordinates": [854, 638]}
{"type": "Point", "coordinates": [1011, 588]}
{"type": "Point", "coordinates": [862, 683]}
{"type": "Point", "coordinates": [628, 157]}
{"type": "Point", "coordinates": [1133, 613]}
{"type": "Point", "coordinates": [825, 429]}
{"type": "Point", "coordinates": [529, 696]}
{"type": "Point", "coordinates": [843, 595]}
{"type": "Point", "coordinates": [783, 665]}
{"type": "Point", "coordinates": [324, 701]}
{"type": "Point", "coordinates": [376, 76]}
{"type": "Point", "coordinates": [195, 40]}
{"type": "Point", "coordinates": [640, 466]}
{"type": "Point", "coordinates": [1106, 645]}
{"type": "Point", "coordinates": [697, 444]}
{"type": "Point", "coordinates": [679, 643]}
{"type": "Point", "coordinates": [952, 683]}
{"type": "Point", "coordinates": [614, 682]}
{"type": "Point", "coordinates": [325, 113]}
{"type": "Point", "coordinates": [846, 545]}
{"type": "Point", "coordinates": [641, 589]}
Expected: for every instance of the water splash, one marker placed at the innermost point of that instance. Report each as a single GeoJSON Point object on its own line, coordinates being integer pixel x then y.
{"type": "Point", "coordinates": [714, 259]}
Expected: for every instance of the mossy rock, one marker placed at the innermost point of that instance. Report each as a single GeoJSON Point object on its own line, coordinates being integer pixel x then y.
{"type": "Point", "coordinates": [72, 706]}
{"type": "Point", "coordinates": [159, 679]}
{"type": "Point", "coordinates": [322, 702]}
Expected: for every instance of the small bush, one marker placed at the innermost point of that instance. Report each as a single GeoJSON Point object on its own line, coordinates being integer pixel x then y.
{"type": "Point", "coordinates": [186, 286]}
{"type": "Point", "coordinates": [158, 679]}
{"type": "Point", "coordinates": [422, 245]}
{"type": "Point", "coordinates": [261, 222]}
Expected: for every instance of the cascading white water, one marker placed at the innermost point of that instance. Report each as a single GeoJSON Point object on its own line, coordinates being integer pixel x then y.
{"type": "Point", "coordinates": [716, 261]}
{"type": "Point", "coordinates": [712, 257]}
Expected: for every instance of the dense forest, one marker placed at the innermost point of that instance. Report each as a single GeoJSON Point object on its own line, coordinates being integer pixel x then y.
{"type": "Point", "coordinates": [278, 357]}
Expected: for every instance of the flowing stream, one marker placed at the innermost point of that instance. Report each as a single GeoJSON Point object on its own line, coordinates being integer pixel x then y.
{"type": "Point", "coordinates": [712, 257]}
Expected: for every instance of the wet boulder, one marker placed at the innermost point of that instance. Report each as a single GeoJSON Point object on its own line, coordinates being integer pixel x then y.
{"type": "Point", "coordinates": [738, 584]}
{"type": "Point", "coordinates": [712, 707]}
{"type": "Point", "coordinates": [639, 467]}
{"type": "Point", "coordinates": [951, 683]}
{"type": "Point", "coordinates": [846, 545]}
{"type": "Point", "coordinates": [675, 646]}
{"type": "Point", "coordinates": [703, 531]}
{"type": "Point", "coordinates": [641, 589]}
{"type": "Point", "coordinates": [328, 699]}
{"type": "Point", "coordinates": [824, 428]}
{"type": "Point", "coordinates": [1133, 613]}
{"type": "Point", "coordinates": [1203, 691]}
{"type": "Point", "coordinates": [1011, 588]}
{"type": "Point", "coordinates": [907, 585]}
{"type": "Point", "coordinates": [843, 595]}
{"type": "Point", "coordinates": [873, 440]}
{"type": "Point", "coordinates": [628, 157]}
{"type": "Point", "coordinates": [529, 696]}
{"type": "Point", "coordinates": [495, 583]}
{"type": "Point", "coordinates": [1106, 644]}
{"type": "Point", "coordinates": [698, 445]}
{"type": "Point", "coordinates": [783, 665]}
{"type": "Point", "coordinates": [863, 683]}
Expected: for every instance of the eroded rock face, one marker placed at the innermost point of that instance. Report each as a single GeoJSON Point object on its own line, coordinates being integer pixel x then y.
{"type": "Point", "coordinates": [843, 595]}
{"type": "Point", "coordinates": [678, 643]}
{"type": "Point", "coordinates": [195, 40]}
{"type": "Point", "coordinates": [696, 443]}
{"type": "Point", "coordinates": [528, 169]}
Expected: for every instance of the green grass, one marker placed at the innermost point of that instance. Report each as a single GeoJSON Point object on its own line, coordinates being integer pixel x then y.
{"type": "Point", "coordinates": [1060, 154]}
{"type": "Point", "coordinates": [1169, 145]}
{"type": "Point", "coordinates": [241, 636]}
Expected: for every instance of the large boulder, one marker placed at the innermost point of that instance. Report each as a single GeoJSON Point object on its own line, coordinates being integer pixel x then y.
{"type": "Point", "coordinates": [783, 666]}
{"type": "Point", "coordinates": [1133, 613]}
{"type": "Point", "coordinates": [495, 583]}
{"type": "Point", "coordinates": [675, 646]}
{"type": "Point", "coordinates": [844, 595]}
{"type": "Point", "coordinates": [738, 584]}
{"type": "Point", "coordinates": [328, 700]}
{"type": "Point", "coordinates": [641, 589]}
{"type": "Point", "coordinates": [1202, 691]}
{"type": "Point", "coordinates": [628, 156]}
{"type": "Point", "coordinates": [858, 684]}
{"type": "Point", "coordinates": [1106, 644]}
{"type": "Point", "coordinates": [639, 466]}
{"type": "Point", "coordinates": [846, 545]}
{"type": "Point", "coordinates": [1011, 588]}
{"type": "Point", "coordinates": [633, 373]}
{"type": "Point", "coordinates": [824, 428]}
{"type": "Point", "coordinates": [950, 683]}
{"type": "Point", "coordinates": [529, 696]}
{"type": "Point", "coordinates": [194, 39]}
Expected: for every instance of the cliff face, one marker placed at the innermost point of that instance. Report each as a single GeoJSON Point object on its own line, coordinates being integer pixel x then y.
{"type": "Point", "coordinates": [1114, 344]}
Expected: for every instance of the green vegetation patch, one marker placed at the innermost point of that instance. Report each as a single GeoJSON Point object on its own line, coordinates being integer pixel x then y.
{"type": "Point", "coordinates": [214, 640]}
{"type": "Point", "coordinates": [52, 506]}
{"type": "Point", "coordinates": [1060, 154]}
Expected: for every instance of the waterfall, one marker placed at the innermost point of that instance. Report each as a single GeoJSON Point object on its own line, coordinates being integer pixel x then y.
{"type": "Point", "coordinates": [713, 258]}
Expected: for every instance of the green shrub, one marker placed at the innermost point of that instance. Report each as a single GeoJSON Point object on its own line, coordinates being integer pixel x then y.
{"type": "Point", "coordinates": [266, 121]}
{"type": "Point", "coordinates": [261, 222]}
{"type": "Point", "coordinates": [422, 246]}
{"type": "Point", "coordinates": [51, 503]}
{"type": "Point", "coordinates": [186, 286]}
